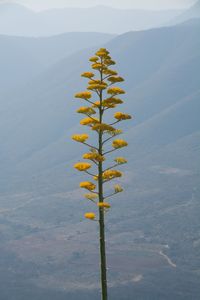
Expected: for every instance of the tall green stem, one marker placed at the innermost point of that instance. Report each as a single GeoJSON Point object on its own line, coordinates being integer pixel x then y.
{"type": "Point", "coordinates": [101, 210]}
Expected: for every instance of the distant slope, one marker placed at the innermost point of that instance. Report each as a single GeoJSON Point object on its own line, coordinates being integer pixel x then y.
{"type": "Point", "coordinates": [159, 77]}
{"type": "Point", "coordinates": [191, 13]}
{"type": "Point", "coordinates": [17, 20]}
{"type": "Point", "coordinates": [166, 128]}
{"type": "Point", "coordinates": [23, 58]}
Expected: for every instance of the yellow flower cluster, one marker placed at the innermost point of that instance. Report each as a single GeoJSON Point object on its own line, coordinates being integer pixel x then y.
{"type": "Point", "coordinates": [112, 102]}
{"type": "Point", "coordinates": [121, 116]}
{"type": "Point", "coordinates": [86, 110]}
{"type": "Point", "coordinates": [90, 216]}
{"type": "Point", "coordinates": [87, 75]}
{"type": "Point", "coordinates": [103, 205]}
{"type": "Point", "coordinates": [89, 121]}
{"type": "Point", "coordinates": [98, 66]}
{"type": "Point", "coordinates": [91, 196]}
{"type": "Point", "coordinates": [118, 188]}
{"type": "Point", "coordinates": [119, 144]}
{"type": "Point", "coordinates": [82, 166]}
{"type": "Point", "coordinates": [114, 79]}
{"type": "Point", "coordinates": [109, 62]}
{"type": "Point", "coordinates": [108, 105]}
{"type": "Point", "coordinates": [97, 86]}
{"type": "Point", "coordinates": [102, 52]}
{"type": "Point", "coordinates": [110, 174]}
{"type": "Point", "coordinates": [120, 160]}
{"type": "Point", "coordinates": [81, 138]}
{"type": "Point", "coordinates": [94, 156]}
{"type": "Point", "coordinates": [115, 91]}
{"type": "Point", "coordinates": [110, 72]}
{"type": "Point", "coordinates": [88, 185]}
{"type": "Point", "coordinates": [95, 82]}
{"type": "Point", "coordinates": [103, 127]}
{"type": "Point", "coordinates": [84, 95]}
{"type": "Point", "coordinates": [117, 132]}
{"type": "Point", "coordinates": [94, 59]}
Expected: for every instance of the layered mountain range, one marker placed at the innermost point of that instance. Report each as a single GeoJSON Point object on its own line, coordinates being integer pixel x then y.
{"type": "Point", "coordinates": [153, 90]}
{"type": "Point", "coordinates": [153, 237]}
{"type": "Point", "coordinates": [19, 20]}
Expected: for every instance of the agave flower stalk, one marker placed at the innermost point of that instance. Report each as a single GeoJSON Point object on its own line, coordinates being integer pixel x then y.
{"type": "Point", "coordinates": [101, 95]}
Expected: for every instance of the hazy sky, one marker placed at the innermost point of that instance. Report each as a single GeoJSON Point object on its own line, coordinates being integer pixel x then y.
{"type": "Point", "coordinates": [147, 4]}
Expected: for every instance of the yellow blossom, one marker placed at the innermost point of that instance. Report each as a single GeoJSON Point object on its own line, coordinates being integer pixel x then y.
{"type": "Point", "coordinates": [119, 144]}
{"type": "Point", "coordinates": [84, 95]}
{"type": "Point", "coordinates": [96, 177]}
{"type": "Point", "coordinates": [87, 75]}
{"type": "Point", "coordinates": [112, 101]}
{"type": "Point", "coordinates": [110, 72]}
{"type": "Point", "coordinates": [88, 185]}
{"type": "Point", "coordinates": [80, 137]}
{"type": "Point", "coordinates": [95, 82]}
{"type": "Point", "coordinates": [114, 79]}
{"type": "Point", "coordinates": [104, 205]}
{"type": "Point", "coordinates": [91, 196]}
{"type": "Point", "coordinates": [118, 188]}
{"type": "Point", "coordinates": [98, 66]}
{"type": "Point", "coordinates": [115, 91]}
{"type": "Point", "coordinates": [97, 86]}
{"type": "Point", "coordinates": [103, 127]}
{"type": "Point", "coordinates": [86, 110]}
{"type": "Point", "coordinates": [89, 121]}
{"type": "Point", "coordinates": [116, 132]}
{"type": "Point", "coordinates": [120, 160]}
{"type": "Point", "coordinates": [110, 174]}
{"type": "Point", "coordinates": [102, 52]}
{"type": "Point", "coordinates": [104, 49]}
{"type": "Point", "coordinates": [108, 105]}
{"type": "Point", "coordinates": [90, 216]}
{"type": "Point", "coordinates": [121, 116]}
{"type": "Point", "coordinates": [109, 62]}
{"type": "Point", "coordinates": [82, 166]}
{"type": "Point", "coordinates": [94, 156]}
{"type": "Point", "coordinates": [94, 59]}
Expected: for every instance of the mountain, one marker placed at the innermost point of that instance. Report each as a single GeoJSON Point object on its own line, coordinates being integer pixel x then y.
{"type": "Point", "coordinates": [17, 20]}
{"type": "Point", "coordinates": [153, 227]}
{"type": "Point", "coordinates": [178, 54]}
{"type": "Point", "coordinates": [22, 58]}
{"type": "Point", "coordinates": [192, 13]}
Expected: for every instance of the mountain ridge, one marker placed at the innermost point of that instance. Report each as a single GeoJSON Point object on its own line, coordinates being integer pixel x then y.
{"type": "Point", "coordinates": [56, 21]}
{"type": "Point", "coordinates": [157, 77]}
{"type": "Point", "coordinates": [28, 56]}
{"type": "Point", "coordinates": [191, 13]}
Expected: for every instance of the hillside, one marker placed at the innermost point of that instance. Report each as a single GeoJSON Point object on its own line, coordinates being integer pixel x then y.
{"type": "Point", "coordinates": [191, 13]}
{"type": "Point", "coordinates": [17, 20]}
{"type": "Point", "coordinates": [153, 228]}
{"type": "Point", "coordinates": [178, 54]}
{"type": "Point", "coordinates": [23, 58]}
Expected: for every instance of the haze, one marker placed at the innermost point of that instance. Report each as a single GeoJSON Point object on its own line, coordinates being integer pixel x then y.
{"type": "Point", "coordinates": [133, 4]}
